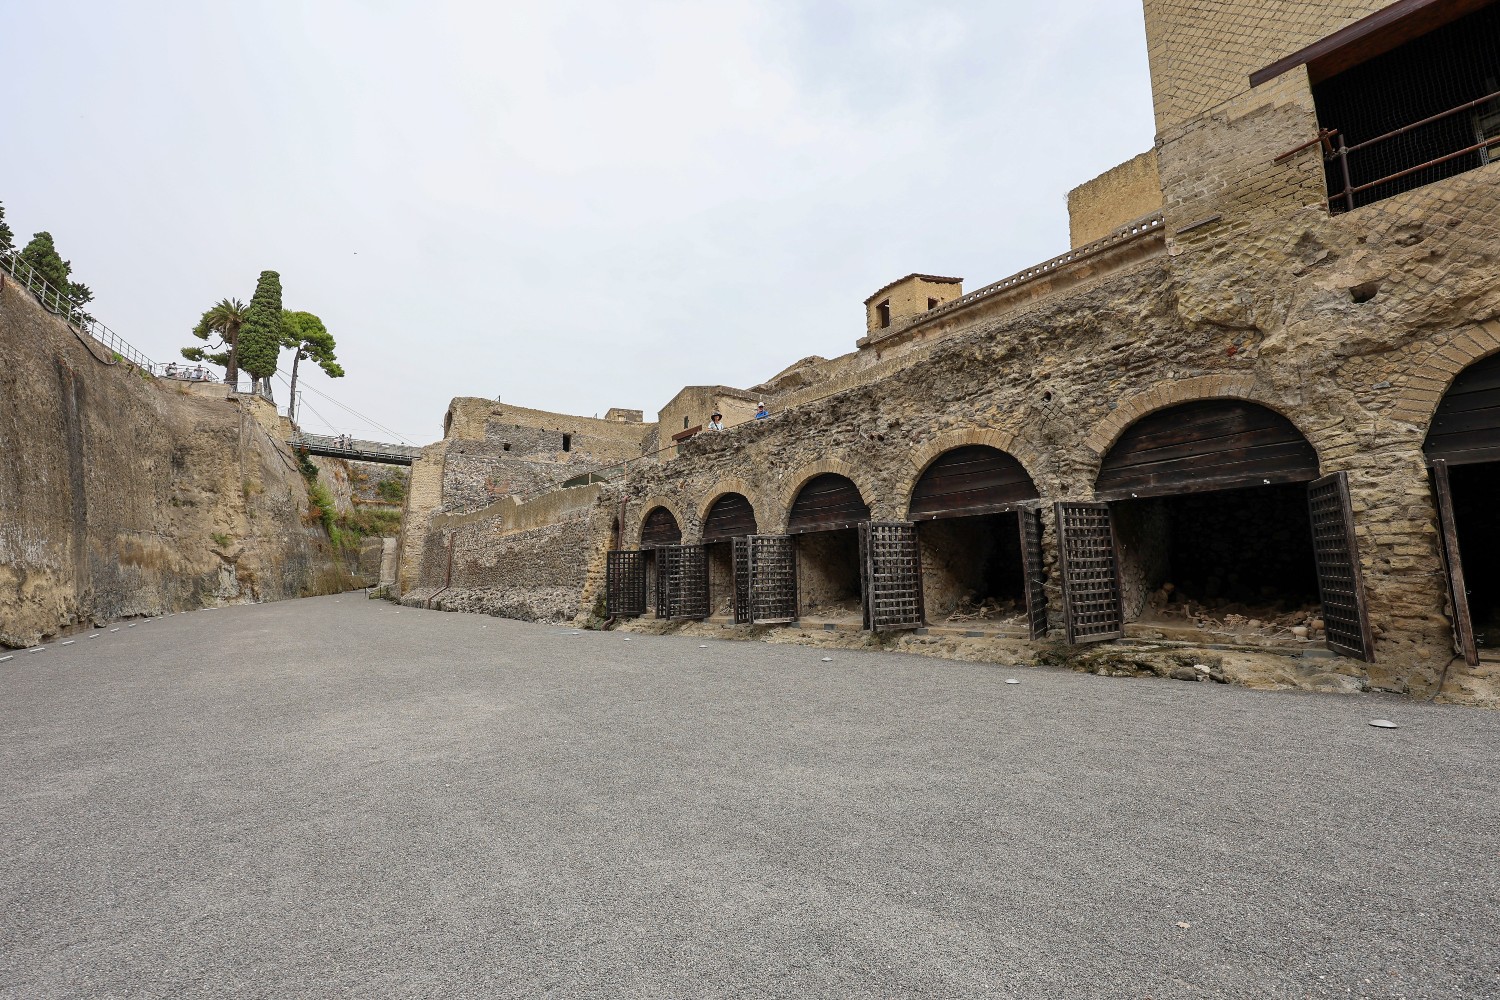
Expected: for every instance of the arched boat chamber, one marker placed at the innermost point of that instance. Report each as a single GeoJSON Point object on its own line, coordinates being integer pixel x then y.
{"type": "Point", "coordinates": [1230, 567]}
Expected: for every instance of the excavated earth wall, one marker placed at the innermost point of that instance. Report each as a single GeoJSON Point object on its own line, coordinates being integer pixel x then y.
{"type": "Point", "coordinates": [121, 494]}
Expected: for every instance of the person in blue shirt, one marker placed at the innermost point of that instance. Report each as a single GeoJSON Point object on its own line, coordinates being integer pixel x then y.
{"type": "Point", "coordinates": [762, 413]}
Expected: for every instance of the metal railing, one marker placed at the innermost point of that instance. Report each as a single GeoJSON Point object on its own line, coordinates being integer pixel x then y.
{"type": "Point", "coordinates": [1336, 150]}
{"type": "Point", "coordinates": [73, 314]}
{"type": "Point", "coordinates": [343, 446]}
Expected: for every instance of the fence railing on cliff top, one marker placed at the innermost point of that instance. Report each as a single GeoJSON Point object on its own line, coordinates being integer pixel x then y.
{"type": "Point", "coordinates": [73, 314]}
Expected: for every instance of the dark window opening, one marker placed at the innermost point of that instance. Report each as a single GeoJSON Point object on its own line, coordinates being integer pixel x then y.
{"type": "Point", "coordinates": [1211, 564]}
{"type": "Point", "coordinates": [505, 446]}
{"type": "Point", "coordinates": [1478, 533]}
{"type": "Point", "coordinates": [567, 442]}
{"type": "Point", "coordinates": [883, 313]}
{"type": "Point", "coordinates": [684, 423]}
{"type": "Point", "coordinates": [932, 303]}
{"type": "Point", "coordinates": [1424, 111]}
{"type": "Point", "coordinates": [972, 570]}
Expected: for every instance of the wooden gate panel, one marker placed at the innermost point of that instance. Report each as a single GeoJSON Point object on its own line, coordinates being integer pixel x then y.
{"type": "Point", "coordinates": [773, 579]}
{"type": "Point", "coordinates": [730, 517]}
{"type": "Point", "coordinates": [666, 565]}
{"type": "Point", "coordinates": [742, 580]}
{"type": "Point", "coordinates": [660, 528]}
{"type": "Point", "coordinates": [1458, 595]}
{"type": "Point", "coordinates": [1092, 609]}
{"type": "Point", "coordinates": [1466, 427]}
{"type": "Point", "coordinates": [687, 586]}
{"type": "Point", "coordinates": [826, 503]}
{"type": "Point", "coordinates": [891, 571]}
{"type": "Point", "coordinates": [625, 584]}
{"type": "Point", "coordinates": [969, 480]}
{"type": "Point", "coordinates": [1340, 582]}
{"type": "Point", "coordinates": [1032, 566]}
{"type": "Point", "coordinates": [1211, 444]}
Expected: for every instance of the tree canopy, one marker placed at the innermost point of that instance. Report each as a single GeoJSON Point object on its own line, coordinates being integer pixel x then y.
{"type": "Point", "coordinates": [306, 334]}
{"type": "Point", "coordinates": [262, 334]}
{"type": "Point", "coordinates": [222, 320]}
{"type": "Point", "coordinates": [41, 253]}
{"type": "Point", "coordinates": [7, 238]}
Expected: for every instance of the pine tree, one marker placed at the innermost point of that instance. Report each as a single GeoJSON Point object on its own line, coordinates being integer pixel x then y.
{"type": "Point", "coordinates": [7, 238]}
{"type": "Point", "coordinates": [41, 253]}
{"type": "Point", "coordinates": [309, 338]}
{"type": "Point", "coordinates": [261, 336]}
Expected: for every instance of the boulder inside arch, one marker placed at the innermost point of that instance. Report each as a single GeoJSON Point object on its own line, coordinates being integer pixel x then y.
{"type": "Point", "coordinates": [1205, 513]}
{"type": "Point", "coordinates": [825, 517]}
{"type": "Point", "coordinates": [974, 508]}
{"type": "Point", "coordinates": [1463, 453]}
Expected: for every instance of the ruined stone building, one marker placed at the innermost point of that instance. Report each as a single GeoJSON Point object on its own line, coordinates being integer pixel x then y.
{"type": "Point", "coordinates": [1260, 389]}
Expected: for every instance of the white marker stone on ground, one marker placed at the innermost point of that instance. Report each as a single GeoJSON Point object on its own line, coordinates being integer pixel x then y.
{"type": "Point", "coordinates": [4, 658]}
{"type": "Point", "coordinates": [1383, 724]}
{"type": "Point", "coordinates": [1011, 680]}
{"type": "Point", "coordinates": [69, 642]}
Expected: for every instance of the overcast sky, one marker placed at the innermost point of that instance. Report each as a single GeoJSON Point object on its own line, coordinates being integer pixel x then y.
{"type": "Point", "coordinates": [568, 205]}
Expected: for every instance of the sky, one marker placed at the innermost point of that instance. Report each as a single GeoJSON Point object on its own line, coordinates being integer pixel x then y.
{"type": "Point", "coordinates": [563, 205]}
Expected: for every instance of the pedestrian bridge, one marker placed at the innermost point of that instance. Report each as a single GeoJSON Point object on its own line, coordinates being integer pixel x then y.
{"type": "Point", "coordinates": [355, 449]}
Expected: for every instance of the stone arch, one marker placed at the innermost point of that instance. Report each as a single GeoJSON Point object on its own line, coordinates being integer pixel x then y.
{"type": "Point", "coordinates": [918, 461]}
{"type": "Point", "coordinates": [731, 484]}
{"type": "Point", "coordinates": [1421, 387]}
{"type": "Point", "coordinates": [782, 509]}
{"type": "Point", "coordinates": [650, 504]}
{"type": "Point", "coordinates": [1191, 390]}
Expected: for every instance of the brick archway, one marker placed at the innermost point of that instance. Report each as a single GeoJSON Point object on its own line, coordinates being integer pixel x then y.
{"type": "Point", "coordinates": [1422, 385]}
{"type": "Point", "coordinates": [1000, 440]}
{"type": "Point", "coordinates": [1190, 390]}
{"type": "Point", "coordinates": [650, 504]}
{"type": "Point", "coordinates": [781, 507]}
{"type": "Point", "coordinates": [731, 484]}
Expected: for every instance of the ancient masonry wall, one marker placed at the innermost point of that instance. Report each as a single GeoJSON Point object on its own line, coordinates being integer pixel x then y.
{"type": "Point", "coordinates": [1352, 326]}
{"type": "Point", "coordinates": [124, 495]}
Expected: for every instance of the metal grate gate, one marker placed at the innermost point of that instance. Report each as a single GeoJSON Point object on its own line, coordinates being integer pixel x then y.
{"type": "Point", "coordinates": [742, 580]}
{"type": "Point", "coordinates": [1092, 610]}
{"type": "Point", "coordinates": [773, 579]}
{"type": "Point", "coordinates": [891, 572]}
{"type": "Point", "coordinates": [1340, 582]}
{"type": "Point", "coordinates": [625, 584]}
{"type": "Point", "coordinates": [1031, 563]}
{"type": "Point", "coordinates": [1458, 595]}
{"type": "Point", "coordinates": [685, 570]}
{"type": "Point", "coordinates": [662, 559]}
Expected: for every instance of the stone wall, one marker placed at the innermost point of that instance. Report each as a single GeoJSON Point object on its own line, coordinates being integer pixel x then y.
{"type": "Point", "coordinates": [1123, 194]}
{"type": "Point", "coordinates": [121, 494]}
{"type": "Point", "coordinates": [1351, 326]}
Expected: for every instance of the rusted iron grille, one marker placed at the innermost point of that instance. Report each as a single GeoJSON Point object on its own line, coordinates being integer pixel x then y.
{"type": "Point", "coordinates": [742, 581]}
{"type": "Point", "coordinates": [1091, 580]}
{"type": "Point", "coordinates": [1036, 577]}
{"type": "Point", "coordinates": [686, 571]}
{"type": "Point", "coordinates": [1458, 595]}
{"type": "Point", "coordinates": [773, 579]}
{"type": "Point", "coordinates": [663, 557]}
{"type": "Point", "coordinates": [1339, 579]}
{"type": "Point", "coordinates": [1427, 110]}
{"type": "Point", "coordinates": [625, 584]}
{"type": "Point", "coordinates": [892, 569]}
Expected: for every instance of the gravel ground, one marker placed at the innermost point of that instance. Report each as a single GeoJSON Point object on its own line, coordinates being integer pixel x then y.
{"type": "Point", "coordinates": [336, 798]}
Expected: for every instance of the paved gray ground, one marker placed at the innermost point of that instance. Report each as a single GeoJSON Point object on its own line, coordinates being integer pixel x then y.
{"type": "Point", "coordinates": [328, 798]}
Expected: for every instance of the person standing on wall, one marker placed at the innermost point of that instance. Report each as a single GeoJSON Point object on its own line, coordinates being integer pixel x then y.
{"type": "Point", "coordinates": [761, 412]}
{"type": "Point", "coordinates": [716, 421]}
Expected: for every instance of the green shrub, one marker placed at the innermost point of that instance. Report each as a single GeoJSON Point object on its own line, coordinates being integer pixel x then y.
{"type": "Point", "coordinates": [222, 541]}
{"type": "Point", "coordinates": [391, 490]}
{"type": "Point", "coordinates": [321, 503]}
